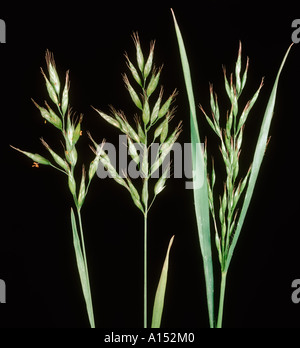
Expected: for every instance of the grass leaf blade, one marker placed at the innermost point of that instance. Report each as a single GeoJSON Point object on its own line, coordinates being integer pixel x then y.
{"type": "Point", "coordinates": [160, 292]}
{"type": "Point", "coordinates": [199, 181]}
{"type": "Point", "coordinates": [258, 158]}
{"type": "Point", "coordinates": [82, 270]}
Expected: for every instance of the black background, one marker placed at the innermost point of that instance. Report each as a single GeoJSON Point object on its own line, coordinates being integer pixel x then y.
{"type": "Point", "coordinates": [36, 254]}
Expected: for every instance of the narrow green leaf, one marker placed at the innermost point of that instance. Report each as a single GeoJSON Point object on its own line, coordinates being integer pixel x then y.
{"type": "Point", "coordinates": [160, 292]}
{"type": "Point", "coordinates": [258, 158]}
{"type": "Point", "coordinates": [200, 182]}
{"type": "Point", "coordinates": [82, 269]}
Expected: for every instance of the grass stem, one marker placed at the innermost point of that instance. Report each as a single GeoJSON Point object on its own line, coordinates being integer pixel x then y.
{"type": "Point", "coordinates": [222, 297]}
{"type": "Point", "coordinates": [145, 269]}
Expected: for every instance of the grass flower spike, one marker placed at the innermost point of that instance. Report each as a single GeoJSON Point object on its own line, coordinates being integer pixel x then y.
{"type": "Point", "coordinates": [70, 129]}
{"type": "Point", "coordinates": [152, 124]}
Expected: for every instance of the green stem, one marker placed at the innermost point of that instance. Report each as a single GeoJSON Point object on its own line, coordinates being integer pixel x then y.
{"type": "Point", "coordinates": [89, 302]}
{"type": "Point", "coordinates": [145, 200]}
{"type": "Point", "coordinates": [222, 297]}
{"type": "Point", "coordinates": [145, 269]}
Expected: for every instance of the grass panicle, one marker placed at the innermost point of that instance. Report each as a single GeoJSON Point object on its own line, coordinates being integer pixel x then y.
{"type": "Point", "coordinates": [152, 125]}
{"type": "Point", "coordinates": [231, 137]}
{"type": "Point", "coordinates": [229, 221]}
{"type": "Point", "coordinates": [70, 130]}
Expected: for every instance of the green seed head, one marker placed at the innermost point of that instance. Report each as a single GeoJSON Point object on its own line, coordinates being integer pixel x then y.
{"type": "Point", "coordinates": [165, 108]}
{"type": "Point", "coordinates": [82, 193]}
{"type": "Point", "coordinates": [108, 119]}
{"type": "Point", "coordinates": [164, 131]}
{"type": "Point", "coordinates": [167, 145]}
{"type": "Point", "coordinates": [133, 70]}
{"type": "Point", "coordinates": [141, 133]}
{"type": "Point", "coordinates": [95, 163]}
{"type": "Point", "coordinates": [49, 116]}
{"type": "Point", "coordinates": [62, 163]}
{"type": "Point", "coordinates": [65, 95]}
{"type": "Point", "coordinates": [245, 75]}
{"type": "Point", "coordinates": [77, 131]}
{"type": "Point", "coordinates": [145, 164]}
{"type": "Point", "coordinates": [153, 82]}
{"type": "Point", "coordinates": [145, 193]}
{"type": "Point", "coordinates": [212, 100]}
{"type": "Point", "coordinates": [35, 157]}
{"type": "Point", "coordinates": [155, 111]}
{"type": "Point", "coordinates": [134, 194]}
{"type": "Point", "coordinates": [160, 185]}
{"type": "Point", "coordinates": [50, 89]}
{"type": "Point", "coordinates": [146, 112]}
{"type": "Point", "coordinates": [213, 176]}
{"type": "Point", "coordinates": [149, 62]}
{"type": "Point", "coordinates": [54, 79]}
{"type": "Point", "coordinates": [72, 156]}
{"type": "Point", "coordinates": [54, 119]}
{"type": "Point", "coordinates": [72, 184]}
{"type": "Point", "coordinates": [133, 151]}
{"type": "Point", "coordinates": [139, 53]}
{"type": "Point", "coordinates": [93, 168]}
{"type": "Point", "coordinates": [238, 70]}
{"type": "Point", "coordinates": [159, 129]}
{"type": "Point", "coordinates": [224, 202]}
{"type": "Point", "coordinates": [135, 98]}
